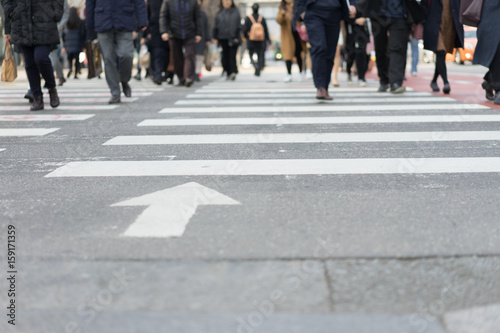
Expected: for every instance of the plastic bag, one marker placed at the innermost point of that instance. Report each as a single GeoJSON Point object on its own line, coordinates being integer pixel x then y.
{"type": "Point", "coordinates": [9, 67]}
{"type": "Point", "coordinates": [144, 57]}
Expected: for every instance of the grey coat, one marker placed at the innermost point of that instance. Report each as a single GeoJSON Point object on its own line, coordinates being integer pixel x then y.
{"type": "Point", "coordinates": [488, 33]}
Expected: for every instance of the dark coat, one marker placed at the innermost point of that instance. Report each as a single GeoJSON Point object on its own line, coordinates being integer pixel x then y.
{"type": "Point", "coordinates": [301, 6]}
{"type": "Point", "coordinates": [373, 9]}
{"type": "Point", "coordinates": [74, 39]}
{"type": "Point", "coordinates": [205, 34]}
{"type": "Point", "coordinates": [488, 33]}
{"type": "Point", "coordinates": [33, 22]}
{"type": "Point", "coordinates": [125, 15]}
{"type": "Point", "coordinates": [433, 23]}
{"type": "Point", "coordinates": [180, 19]}
{"type": "Point", "coordinates": [154, 7]}
{"type": "Point", "coordinates": [227, 24]}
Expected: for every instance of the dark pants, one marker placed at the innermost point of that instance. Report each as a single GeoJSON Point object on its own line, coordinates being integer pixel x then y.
{"type": "Point", "coordinates": [258, 48]}
{"type": "Point", "coordinates": [229, 56]}
{"type": "Point", "coordinates": [74, 56]}
{"type": "Point", "coordinates": [323, 31]}
{"type": "Point", "coordinates": [391, 43]}
{"type": "Point", "coordinates": [358, 54]}
{"type": "Point", "coordinates": [38, 62]}
{"type": "Point", "coordinates": [495, 71]}
{"type": "Point", "coordinates": [183, 63]}
{"type": "Point", "coordinates": [161, 57]}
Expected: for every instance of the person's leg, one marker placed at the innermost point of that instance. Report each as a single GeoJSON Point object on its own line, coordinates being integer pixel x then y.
{"type": "Point", "coordinates": [107, 46]}
{"type": "Point", "coordinates": [398, 48]}
{"type": "Point", "coordinates": [261, 53]}
{"type": "Point", "coordinates": [336, 66]}
{"type": "Point", "coordinates": [125, 53]}
{"type": "Point", "coordinates": [189, 59]}
{"type": "Point", "coordinates": [317, 39]}
{"type": "Point", "coordinates": [178, 59]}
{"type": "Point", "coordinates": [56, 62]}
{"type": "Point", "coordinates": [414, 55]}
{"type": "Point", "coordinates": [298, 50]}
{"type": "Point", "coordinates": [361, 63]}
{"type": "Point", "coordinates": [495, 75]}
{"type": "Point", "coordinates": [288, 67]}
{"type": "Point", "coordinates": [232, 60]}
{"type": "Point", "coordinates": [331, 32]}
{"type": "Point", "coordinates": [251, 51]}
{"type": "Point", "coordinates": [159, 59]}
{"type": "Point", "coordinates": [42, 60]}
{"type": "Point", "coordinates": [381, 41]}
{"type": "Point", "coordinates": [32, 70]}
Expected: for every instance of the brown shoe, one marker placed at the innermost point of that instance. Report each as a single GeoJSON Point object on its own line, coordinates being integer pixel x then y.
{"type": "Point", "coordinates": [37, 104]}
{"type": "Point", "coordinates": [323, 94]}
{"type": "Point", "coordinates": [54, 98]}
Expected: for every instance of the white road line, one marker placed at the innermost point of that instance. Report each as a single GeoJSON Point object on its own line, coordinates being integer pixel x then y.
{"type": "Point", "coordinates": [80, 94]}
{"type": "Point", "coordinates": [61, 108]}
{"type": "Point", "coordinates": [2, 149]}
{"type": "Point", "coordinates": [203, 139]}
{"type": "Point", "coordinates": [276, 87]}
{"type": "Point", "coordinates": [71, 100]}
{"type": "Point", "coordinates": [277, 167]}
{"type": "Point", "coordinates": [79, 90]}
{"type": "Point", "coordinates": [47, 117]}
{"type": "Point", "coordinates": [312, 100]}
{"type": "Point", "coordinates": [271, 94]}
{"type": "Point", "coordinates": [279, 121]}
{"type": "Point", "coordinates": [325, 108]}
{"type": "Point", "coordinates": [26, 131]}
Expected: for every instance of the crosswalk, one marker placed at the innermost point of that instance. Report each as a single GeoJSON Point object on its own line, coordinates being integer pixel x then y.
{"type": "Point", "coordinates": [76, 101]}
{"type": "Point", "coordinates": [234, 117]}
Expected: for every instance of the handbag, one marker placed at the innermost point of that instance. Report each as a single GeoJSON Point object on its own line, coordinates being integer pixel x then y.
{"type": "Point", "coordinates": [302, 33]}
{"type": "Point", "coordinates": [416, 12]}
{"type": "Point", "coordinates": [89, 52]}
{"type": "Point", "coordinates": [207, 60]}
{"type": "Point", "coordinates": [144, 57]}
{"type": "Point", "coordinates": [470, 12]}
{"type": "Point", "coordinates": [418, 31]}
{"type": "Point", "coordinates": [9, 66]}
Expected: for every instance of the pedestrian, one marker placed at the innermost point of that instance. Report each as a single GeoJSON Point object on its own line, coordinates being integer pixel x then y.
{"type": "Point", "coordinates": [159, 49]}
{"type": "Point", "coordinates": [34, 29]}
{"type": "Point", "coordinates": [114, 21]}
{"type": "Point", "coordinates": [74, 38]}
{"type": "Point", "coordinates": [55, 55]}
{"type": "Point", "coordinates": [442, 33]}
{"type": "Point", "coordinates": [337, 61]}
{"type": "Point", "coordinates": [355, 48]}
{"type": "Point", "coordinates": [290, 41]}
{"type": "Point", "coordinates": [322, 19]}
{"type": "Point", "coordinates": [487, 52]}
{"type": "Point", "coordinates": [415, 35]}
{"type": "Point", "coordinates": [201, 46]}
{"type": "Point", "coordinates": [391, 28]}
{"type": "Point", "coordinates": [180, 24]}
{"type": "Point", "coordinates": [257, 34]}
{"type": "Point", "coordinates": [227, 32]}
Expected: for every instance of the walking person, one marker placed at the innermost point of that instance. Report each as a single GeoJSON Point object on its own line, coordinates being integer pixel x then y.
{"type": "Point", "coordinates": [322, 19]}
{"type": "Point", "coordinates": [180, 24]}
{"type": "Point", "coordinates": [159, 49]}
{"type": "Point", "coordinates": [442, 32]}
{"type": "Point", "coordinates": [290, 40]}
{"type": "Point", "coordinates": [487, 52]}
{"type": "Point", "coordinates": [257, 35]}
{"type": "Point", "coordinates": [390, 22]}
{"type": "Point", "coordinates": [34, 29]}
{"type": "Point", "coordinates": [114, 22]}
{"type": "Point", "coordinates": [202, 45]}
{"type": "Point", "coordinates": [356, 41]}
{"type": "Point", "coordinates": [74, 39]}
{"type": "Point", "coordinates": [55, 55]}
{"type": "Point", "coordinates": [227, 32]}
{"type": "Point", "coordinates": [415, 36]}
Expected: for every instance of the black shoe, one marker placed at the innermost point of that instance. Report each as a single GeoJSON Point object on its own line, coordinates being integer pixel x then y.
{"type": "Point", "coordinates": [126, 89]}
{"type": "Point", "coordinates": [137, 77]}
{"type": "Point", "coordinates": [189, 83]}
{"type": "Point", "coordinates": [497, 98]}
{"type": "Point", "coordinates": [115, 99]}
{"type": "Point", "coordinates": [37, 103]}
{"type": "Point", "coordinates": [54, 98]}
{"type": "Point", "coordinates": [69, 74]}
{"type": "Point", "coordinates": [157, 81]}
{"type": "Point", "coordinates": [61, 81]}
{"type": "Point", "coordinates": [170, 81]}
{"type": "Point", "coordinates": [383, 87]}
{"type": "Point", "coordinates": [396, 88]}
{"type": "Point", "coordinates": [29, 96]}
{"type": "Point", "coordinates": [490, 95]}
{"type": "Point", "coordinates": [257, 72]}
{"type": "Point", "coordinates": [434, 86]}
{"type": "Point", "coordinates": [181, 84]}
{"type": "Point", "coordinates": [446, 88]}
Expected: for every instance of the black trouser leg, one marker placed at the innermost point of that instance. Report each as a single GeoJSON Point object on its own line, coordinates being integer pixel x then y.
{"type": "Point", "coordinates": [440, 67]}
{"type": "Point", "coordinates": [495, 71]}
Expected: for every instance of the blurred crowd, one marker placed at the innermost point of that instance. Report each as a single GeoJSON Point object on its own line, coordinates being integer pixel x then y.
{"type": "Point", "coordinates": [173, 39]}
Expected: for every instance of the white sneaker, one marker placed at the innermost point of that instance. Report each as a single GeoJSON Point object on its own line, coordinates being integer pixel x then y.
{"type": "Point", "coordinates": [361, 83]}
{"type": "Point", "coordinates": [302, 76]}
{"type": "Point", "coordinates": [288, 78]}
{"type": "Point", "coordinates": [309, 74]}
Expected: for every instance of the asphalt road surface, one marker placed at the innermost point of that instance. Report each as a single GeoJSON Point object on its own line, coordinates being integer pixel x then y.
{"type": "Point", "coordinates": [249, 206]}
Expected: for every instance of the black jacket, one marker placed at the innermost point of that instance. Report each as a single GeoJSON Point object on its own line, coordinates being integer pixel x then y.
{"type": "Point", "coordinates": [153, 30]}
{"type": "Point", "coordinates": [227, 24]}
{"type": "Point", "coordinates": [248, 25]}
{"type": "Point", "coordinates": [488, 38]}
{"type": "Point", "coordinates": [374, 9]}
{"type": "Point", "coordinates": [205, 34]}
{"type": "Point", "coordinates": [180, 19]}
{"type": "Point", "coordinates": [33, 22]}
{"type": "Point", "coordinates": [433, 23]}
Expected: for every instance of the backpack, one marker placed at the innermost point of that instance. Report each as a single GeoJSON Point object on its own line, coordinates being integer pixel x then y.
{"type": "Point", "coordinates": [256, 33]}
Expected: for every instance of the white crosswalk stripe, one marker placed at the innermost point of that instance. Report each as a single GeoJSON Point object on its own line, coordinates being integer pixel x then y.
{"type": "Point", "coordinates": [26, 131]}
{"type": "Point", "coordinates": [358, 105]}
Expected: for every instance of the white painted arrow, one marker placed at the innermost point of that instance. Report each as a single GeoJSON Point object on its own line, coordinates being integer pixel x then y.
{"type": "Point", "coordinates": [170, 210]}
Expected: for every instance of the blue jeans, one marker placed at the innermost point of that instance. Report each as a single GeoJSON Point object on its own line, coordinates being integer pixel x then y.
{"type": "Point", "coordinates": [414, 54]}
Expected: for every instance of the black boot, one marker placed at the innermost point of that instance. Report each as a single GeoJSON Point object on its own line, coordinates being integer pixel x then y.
{"type": "Point", "coordinates": [497, 98]}
{"type": "Point", "coordinates": [29, 96]}
{"type": "Point", "coordinates": [54, 98]}
{"type": "Point", "coordinates": [37, 103]}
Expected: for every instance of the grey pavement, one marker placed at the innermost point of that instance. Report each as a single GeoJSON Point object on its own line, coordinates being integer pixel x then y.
{"type": "Point", "coordinates": [400, 252]}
